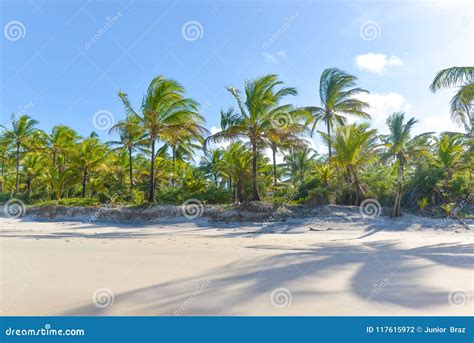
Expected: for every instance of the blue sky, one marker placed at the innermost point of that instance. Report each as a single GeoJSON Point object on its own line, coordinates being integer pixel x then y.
{"type": "Point", "coordinates": [53, 69]}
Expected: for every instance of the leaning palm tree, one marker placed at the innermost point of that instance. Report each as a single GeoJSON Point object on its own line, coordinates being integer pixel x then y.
{"type": "Point", "coordinates": [22, 128]}
{"type": "Point", "coordinates": [354, 147]}
{"type": "Point", "coordinates": [131, 138]}
{"type": "Point", "coordinates": [259, 114]}
{"type": "Point", "coordinates": [164, 110]}
{"type": "Point", "coordinates": [462, 101]}
{"type": "Point", "coordinates": [337, 93]}
{"type": "Point", "coordinates": [401, 148]}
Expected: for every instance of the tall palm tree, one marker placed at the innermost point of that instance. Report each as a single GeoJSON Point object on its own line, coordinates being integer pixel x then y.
{"type": "Point", "coordinates": [461, 104]}
{"type": "Point", "coordinates": [257, 116]}
{"type": "Point", "coordinates": [131, 138]}
{"type": "Point", "coordinates": [401, 147]}
{"type": "Point", "coordinates": [164, 109]}
{"type": "Point", "coordinates": [354, 147]}
{"type": "Point", "coordinates": [22, 128]}
{"type": "Point", "coordinates": [337, 94]}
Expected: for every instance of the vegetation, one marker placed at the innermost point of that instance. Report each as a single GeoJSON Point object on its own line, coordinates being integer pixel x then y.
{"type": "Point", "coordinates": [151, 157]}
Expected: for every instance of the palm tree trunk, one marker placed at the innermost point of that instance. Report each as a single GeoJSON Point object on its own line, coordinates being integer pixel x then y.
{"type": "Point", "coordinates": [398, 196]}
{"type": "Point", "coordinates": [28, 187]}
{"type": "Point", "coordinates": [84, 182]}
{"type": "Point", "coordinates": [329, 141]}
{"type": "Point", "coordinates": [151, 194]}
{"type": "Point", "coordinates": [256, 196]}
{"type": "Point", "coordinates": [174, 166]}
{"type": "Point", "coordinates": [274, 167]}
{"type": "Point", "coordinates": [130, 170]}
{"type": "Point", "coordinates": [17, 180]}
{"type": "Point", "coordinates": [1, 181]}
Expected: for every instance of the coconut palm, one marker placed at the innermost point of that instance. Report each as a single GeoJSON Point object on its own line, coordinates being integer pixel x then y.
{"type": "Point", "coordinates": [164, 110]}
{"type": "Point", "coordinates": [257, 115]}
{"type": "Point", "coordinates": [22, 128]}
{"type": "Point", "coordinates": [461, 104]}
{"type": "Point", "coordinates": [298, 163]}
{"type": "Point", "coordinates": [88, 156]}
{"type": "Point", "coordinates": [212, 164]}
{"type": "Point", "coordinates": [354, 147]}
{"type": "Point", "coordinates": [237, 160]}
{"type": "Point", "coordinates": [337, 94]}
{"type": "Point", "coordinates": [33, 167]}
{"type": "Point", "coordinates": [401, 148]}
{"type": "Point", "coordinates": [131, 138]}
{"type": "Point", "coordinates": [59, 141]}
{"type": "Point", "coordinates": [183, 143]}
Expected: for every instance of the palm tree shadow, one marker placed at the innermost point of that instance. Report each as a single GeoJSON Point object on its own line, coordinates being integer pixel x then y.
{"type": "Point", "coordinates": [385, 274]}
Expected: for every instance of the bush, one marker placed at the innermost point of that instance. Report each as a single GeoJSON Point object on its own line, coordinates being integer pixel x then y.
{"type": "Point", "coordinates": [86, 202]}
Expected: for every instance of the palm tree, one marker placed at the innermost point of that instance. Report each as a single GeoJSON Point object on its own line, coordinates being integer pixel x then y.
{"type": "Point", "coordinates": [237, 160]}
{"type": "Point", "coordinates": [164, 110]}
{"type": "Point", "coordinates": [182, 143]}
{"type": "Point", "coordinates": [89, 156]}
{"type": "Point", "coordinates": [22, 129]}
{"type": "Point", "coordinates": [131, 137]}
{"type": "Point", "coordinates": [298, 163]}
{"type": "Point", "coordinates": [401, 147]}
{"type": "Point", "coordinates": [33, 166]}
{"type": "Point", "coordinates": [212, 164]}
{"type": "Point", "coordinates": [257, 116]}
{"type": "Point", "coordinates": [337, 93]}
{"type": "Point", "coordinates": [286, 137]}
{"type": "Point", "coordinates": [59, 141]}
{"type": "Point", "coordinates": [461, 103]}
{"type": "Point", "coordinates": [354, 147]}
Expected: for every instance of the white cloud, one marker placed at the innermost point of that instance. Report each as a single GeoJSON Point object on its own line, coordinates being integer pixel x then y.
{"type": "Point", "coordinates": [276, 57]}
{"type": "Point", "coordinates": [377, 63]}
{"type": "Point", "coordinates": [383, 105]}
{"type": "Point", "coordinates": [223, 144]}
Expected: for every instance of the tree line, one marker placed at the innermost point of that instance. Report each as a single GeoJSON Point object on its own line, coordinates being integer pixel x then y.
{"type": "Point", "coordinates": [154, 158]}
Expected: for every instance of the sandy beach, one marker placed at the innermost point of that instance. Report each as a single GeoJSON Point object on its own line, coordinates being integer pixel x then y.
{"type": "Point", "coordinates": [323, 266]}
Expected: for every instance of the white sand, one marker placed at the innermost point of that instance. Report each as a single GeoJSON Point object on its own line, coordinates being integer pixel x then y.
{"type": "Point", "coordinates": [355, 268]}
